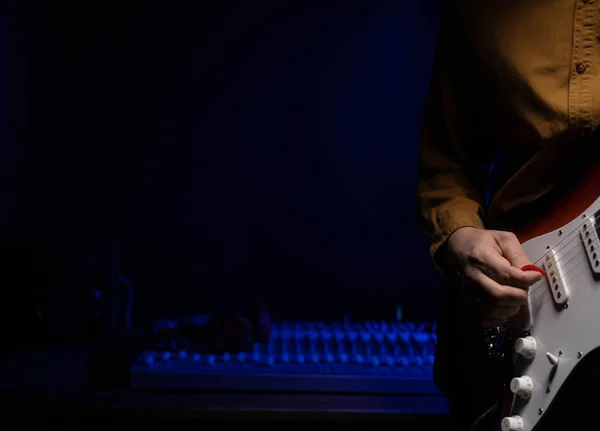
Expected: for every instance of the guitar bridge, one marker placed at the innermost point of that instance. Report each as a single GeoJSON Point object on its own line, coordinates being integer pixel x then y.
{"type": "Point", "coordinates": [589, 232]}
{"type": "Point", "coordinates": [556, 279]}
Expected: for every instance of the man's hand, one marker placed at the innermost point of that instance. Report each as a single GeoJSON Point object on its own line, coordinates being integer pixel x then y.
{"type": "Point", "coordinates": [491, 261]}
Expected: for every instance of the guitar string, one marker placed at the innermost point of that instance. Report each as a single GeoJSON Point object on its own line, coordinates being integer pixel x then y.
{"type": "Point", "coordinates": [560, 261]}
{"type": "Point", "coordinates": [567, 275]}
{"type": "Point", "coordinates": [558, 248]}
{"type": "Point", "coordinates": [565, 269]}
{"type": "Point", "coordinates": [544, 284]}
{"type": "Point", "coordinates": [540, 303]}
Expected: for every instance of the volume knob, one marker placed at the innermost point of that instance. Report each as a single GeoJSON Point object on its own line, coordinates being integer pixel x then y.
{"type": "Point", "coordinates": [522, 387]}
{"type": "Point", "coordinates": [526, 347]}
{"type": "Point", "coordinates": [512, 423]}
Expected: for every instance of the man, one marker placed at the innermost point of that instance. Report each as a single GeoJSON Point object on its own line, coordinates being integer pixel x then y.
{"type": "Point", "coordinates": [514, 103]}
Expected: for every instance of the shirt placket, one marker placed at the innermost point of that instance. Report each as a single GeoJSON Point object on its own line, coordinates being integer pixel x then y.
{"type": "Point", "coordinates": [583, 67]}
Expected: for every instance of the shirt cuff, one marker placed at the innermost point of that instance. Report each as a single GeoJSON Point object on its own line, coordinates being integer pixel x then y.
{"type": "Point", "coordinates": [448, 222]}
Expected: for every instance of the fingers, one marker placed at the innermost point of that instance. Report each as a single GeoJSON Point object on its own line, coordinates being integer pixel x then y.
{"type": "Point", "coordinates": [493, 262]}
{"type": "Point", "coordinates": [499, 269]}
{"type": "Point", "coordinates": [504, 312]}
{"type": "Point", "coordinates": [511, 249]}
{"type": "Point", "coordinates": [501, 302]}
{"type": "Point", "coordinates": [497, 293]}
{"type": "Point", "coordinates": [504, 264]}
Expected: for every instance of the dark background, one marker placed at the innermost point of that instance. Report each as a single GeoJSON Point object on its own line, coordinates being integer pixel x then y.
{"type": "Point", "coordinates": [221, 151]}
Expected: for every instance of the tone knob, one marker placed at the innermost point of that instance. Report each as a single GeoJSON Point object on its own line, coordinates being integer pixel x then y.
{"type": "Point", "coordinates": [512, 423]}
{"type": "Point", "coordinates": [522, 387]}
{"type": "Point", "coordinates": [526, 347]}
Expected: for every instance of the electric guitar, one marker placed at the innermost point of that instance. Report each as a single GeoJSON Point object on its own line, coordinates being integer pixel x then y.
{"type": "Point", "coordinates": [558, 328]}
{"type": "Point", "coordinates": [531, 358]}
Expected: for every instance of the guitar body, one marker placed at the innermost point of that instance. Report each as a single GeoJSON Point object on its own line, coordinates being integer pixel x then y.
{"type": "Point", "coordinates": [475, 370]}
{"type": "Point", "coordinates": [558, 328]}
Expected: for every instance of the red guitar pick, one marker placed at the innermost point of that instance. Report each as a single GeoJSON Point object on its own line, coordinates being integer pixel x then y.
{"type": "Point", "coordinates": [534, 268]}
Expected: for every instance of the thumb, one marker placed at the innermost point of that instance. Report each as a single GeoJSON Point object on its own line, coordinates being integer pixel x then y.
{"type": "Point", "coordinates": [511, 249]}
{"type": "Point", "coordinates": [515, 254]}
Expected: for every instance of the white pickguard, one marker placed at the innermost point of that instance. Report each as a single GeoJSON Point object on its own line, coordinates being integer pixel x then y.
{"type": "Point", "coordinates": [566, 333]}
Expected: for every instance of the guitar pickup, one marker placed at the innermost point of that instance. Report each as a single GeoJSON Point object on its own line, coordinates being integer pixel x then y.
{"type": "Point", "coordinates": [591, 242]}
{"type": "Point", "coordinates": [556, 279]}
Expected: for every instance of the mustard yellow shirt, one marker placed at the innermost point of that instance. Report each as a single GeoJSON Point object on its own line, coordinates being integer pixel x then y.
{"type": "Point", "coordinates": [521, 77]}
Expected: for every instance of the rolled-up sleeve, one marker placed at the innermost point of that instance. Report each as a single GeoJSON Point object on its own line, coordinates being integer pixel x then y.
{"type": "Point", "coordinates": [451, 184]}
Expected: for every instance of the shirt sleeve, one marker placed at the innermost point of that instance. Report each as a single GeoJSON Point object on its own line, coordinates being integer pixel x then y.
{"type": "Point", "coordinates": [451, 175]}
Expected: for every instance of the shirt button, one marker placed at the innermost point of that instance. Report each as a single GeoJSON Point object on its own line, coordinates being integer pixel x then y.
{"type": "Point", "coordinates": [581, 68]}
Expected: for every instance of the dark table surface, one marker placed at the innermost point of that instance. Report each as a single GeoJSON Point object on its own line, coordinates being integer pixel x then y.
{"type": "Point", "coordinates": [64, 384]}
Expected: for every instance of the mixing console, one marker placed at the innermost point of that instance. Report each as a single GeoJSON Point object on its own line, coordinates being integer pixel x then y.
{"type": "Point", "coordinates": [372, 357]}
